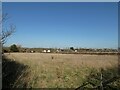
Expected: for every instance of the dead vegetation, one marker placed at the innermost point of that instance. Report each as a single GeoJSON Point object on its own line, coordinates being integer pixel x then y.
{"type": "Point", "coordinates": [55, 70]}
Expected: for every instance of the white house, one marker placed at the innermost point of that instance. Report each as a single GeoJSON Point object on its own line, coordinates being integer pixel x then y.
{"type": "Point", "coordinates": [32, 51]}
{"type": "Point", "coordinates": [48, 51]}
{"type": "Point", "coordinates": [75, 50]}
{"type": "Point", "coordinates": [44, 51]}
{"type": "Point", "coordinates": [57, 50]}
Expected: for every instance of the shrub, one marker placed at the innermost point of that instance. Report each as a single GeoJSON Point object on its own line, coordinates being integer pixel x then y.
{"type": "Point", "coordinates": [14, 48]}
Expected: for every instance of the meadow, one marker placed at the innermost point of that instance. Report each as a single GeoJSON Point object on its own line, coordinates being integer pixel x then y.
{"type": "Point", "coordinates": [47, 70]}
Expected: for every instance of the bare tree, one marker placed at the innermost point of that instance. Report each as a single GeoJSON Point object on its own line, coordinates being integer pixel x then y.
{"type": "Point", "coordinates": [6, 31]}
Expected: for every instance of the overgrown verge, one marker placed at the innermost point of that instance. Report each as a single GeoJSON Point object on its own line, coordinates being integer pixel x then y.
{"type": "Point", "coordinates": [11, 72]}
{"type": "Point", "coordinates": [105, 79]}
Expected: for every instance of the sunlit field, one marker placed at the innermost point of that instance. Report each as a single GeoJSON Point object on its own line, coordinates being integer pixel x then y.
{"type": "Point", "coordinates": [45, 70]}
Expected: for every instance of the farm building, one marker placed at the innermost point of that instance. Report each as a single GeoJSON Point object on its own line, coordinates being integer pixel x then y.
{"type": "Point", "coordinates": [32, 51]}
{"type": "Point", "coordinates": [44, 51]}
{"type": "Point", "coordinates": [76, 50]}
{"type": "Point", "coordinates": [48, 51]}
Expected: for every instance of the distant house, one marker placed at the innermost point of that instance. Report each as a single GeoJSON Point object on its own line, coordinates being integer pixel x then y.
{"type": "Point", "coordinates": [48, 51]}
{"type": "Point", "coordinates": [32, 51]}
{"type": "Point", "coordinates": [57, 51]}
{"type": "Point", "coordinates": [76, 50]}
{"type": "Point", "coordinates": [44, 51]}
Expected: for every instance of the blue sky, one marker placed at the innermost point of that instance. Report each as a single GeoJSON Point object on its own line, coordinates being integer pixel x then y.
{"type": "Point", "coordinates": [88, 25]}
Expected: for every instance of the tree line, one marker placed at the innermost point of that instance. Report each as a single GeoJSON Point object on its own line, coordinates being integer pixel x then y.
{"type": "Point", "coordinates": [69, 50]}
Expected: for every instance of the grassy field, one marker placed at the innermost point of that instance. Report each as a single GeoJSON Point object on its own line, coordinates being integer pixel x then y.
{"type": "Point", "coordinates": [57, 70]}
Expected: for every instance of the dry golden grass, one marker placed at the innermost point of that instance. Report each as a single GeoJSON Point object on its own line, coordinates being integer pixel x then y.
{"type": "Point", "coordinates": [59, 70]}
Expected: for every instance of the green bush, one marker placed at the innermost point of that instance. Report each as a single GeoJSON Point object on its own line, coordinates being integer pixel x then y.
{"type": "Point", "coordinates": [14, 48]}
